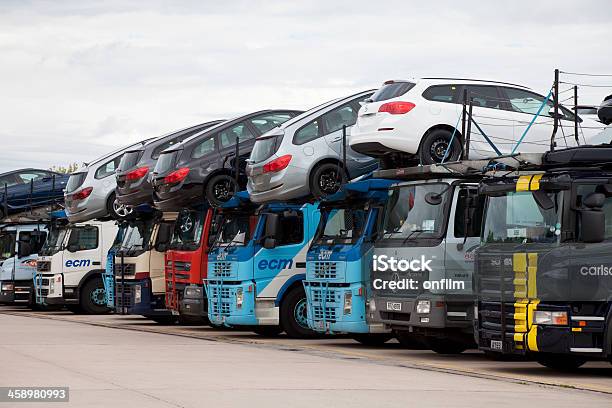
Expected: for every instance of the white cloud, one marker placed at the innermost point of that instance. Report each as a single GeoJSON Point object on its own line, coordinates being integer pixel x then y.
{"type": "Point", "coordinates": [79, 78]}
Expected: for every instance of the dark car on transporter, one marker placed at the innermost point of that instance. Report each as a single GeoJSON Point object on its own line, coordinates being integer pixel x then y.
{"type": "Point", "coordinates": [25, 189]}
{"type": "Point", "coordinates": [204, 166]}
{"type": "Point", "coordinates": [133, 181]}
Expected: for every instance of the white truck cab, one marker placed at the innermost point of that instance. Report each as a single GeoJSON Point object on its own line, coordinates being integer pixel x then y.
{"type": "Point", "coordinates": [71, 264]}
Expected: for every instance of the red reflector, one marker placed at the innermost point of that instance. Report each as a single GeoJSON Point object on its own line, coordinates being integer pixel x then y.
{"type": "Point", "coordinates": [138, 173]}
{"type": "Point", "coordinates": [83, 194]}
{"type": "Point", "coordinates": [177, 175]}
{"type": "Point", "coordinates": [582, 323]}
{"type": "Point", "coordinates": [396, 108]}
{"type": "Point", "coordinates": [277, 164]}
{"type": "Point", "coordinates": [360, 292]}
{"type": "Point", "coordinates": [141, 275]}
{"type": "Point", "coordinates": [439, 304]}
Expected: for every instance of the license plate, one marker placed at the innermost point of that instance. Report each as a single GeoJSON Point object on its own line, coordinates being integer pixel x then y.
{"type": "Point", "coordinates": [395, 306]}
{"type": "Point", "coordinates": [497, 345]}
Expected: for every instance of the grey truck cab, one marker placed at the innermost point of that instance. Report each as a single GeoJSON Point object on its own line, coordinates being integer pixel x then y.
{"type": "Point", "coordinates": [423, 258]}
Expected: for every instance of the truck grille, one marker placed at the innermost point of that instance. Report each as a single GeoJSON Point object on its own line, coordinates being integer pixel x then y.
{"type": "Point", "coordinates": [220, 300]}
{"type": "Point", "coordinates": [43, 266]}
{"type": "Point", "coordinates": [324, 303]}
{"type": "Point", "coordinates": [123, 296]}
{"type": "Point", "coordinates": [222, 269]}
{"type": "Point", "coordinates": [44, 292]}
{"type": "Point", "coordinates": [129, 268]}
{"type": "Point", "coordinates": [326, 270]}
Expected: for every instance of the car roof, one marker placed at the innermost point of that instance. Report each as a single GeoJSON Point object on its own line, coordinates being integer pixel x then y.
{"type": "Point", "coordinates": [162, 138]}
{"type": "Point", "coordinates": [320, 107]}
{"type": "Point", "coordinates": [27, 169]}
{"type": "Point", "coordinates": [458, 81]}
{"type": "Point", "coordinates": [86, 166]}
{"type": "Point", "coordinates": [229, 122]}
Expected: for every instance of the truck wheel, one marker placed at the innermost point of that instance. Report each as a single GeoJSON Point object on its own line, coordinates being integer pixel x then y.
{"type": "Point", "coordinates": [76, 309]}
{"type": "Point", "coordinates": [267, 331]}
{"type": "Point", "coordinates": [434, 146]}
{"type": "Point", "coordinates": [372, 340]}
{"type": "Point", "coordinates": [93, 297]}
{"type": "Point", "coordinates": [326, 179]}
{"type": "Point", "coordinates": [220, 189]}
{"type": "Point", "coordinates": [445, 346]}
{"type": "Point", "coordinates": [561, 362]}
{"type": "Point", "coordinates": [165, 320]}
{"type": "Point", "coordinates": [293, 314]}
{"type": "Point", "coordinates": [410, 341]}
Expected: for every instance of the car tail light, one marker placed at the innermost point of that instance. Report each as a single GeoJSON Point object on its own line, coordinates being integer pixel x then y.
{"type": "Point", "coordinates": [177, 176]}
{"type": "Point", "coordinates": [277, 164]}
{"type": "Point", "coordinates": [397, 108]}
{"type": "Point", "coordinates": [138, 173]}
{"type": "Point", "coordinates": [83, 194]}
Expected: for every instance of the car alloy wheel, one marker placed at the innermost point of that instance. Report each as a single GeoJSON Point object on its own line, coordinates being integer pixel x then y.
{"type": "Point", "coordinates": [122, 210]}
{"type": "Point", "coordinates": [329, 182]}
{"type": "Point", "coordinates": [223, 190]}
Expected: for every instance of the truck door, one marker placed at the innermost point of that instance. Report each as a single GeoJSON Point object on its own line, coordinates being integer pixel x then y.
{"type": "Point", "coordinates": [82, 253]}
{"type": "Point", "coordinates": [285, 257]}
{"type": "Point", "coordinates": [463, 237]}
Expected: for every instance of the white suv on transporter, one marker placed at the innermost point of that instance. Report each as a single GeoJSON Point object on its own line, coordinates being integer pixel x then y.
{"type": "Point", "coordinates": [408, 120]}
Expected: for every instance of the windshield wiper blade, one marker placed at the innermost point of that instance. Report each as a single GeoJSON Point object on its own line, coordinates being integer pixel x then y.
{"type": "Point", "coordinates": [416, 231]}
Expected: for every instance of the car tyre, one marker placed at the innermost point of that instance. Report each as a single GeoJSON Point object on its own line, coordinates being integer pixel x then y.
{"type": "Point", "coordinates": [293, 314]}
{"type": "Point", "coordinates": [117, 210]}
{"type": "Point", "coordinates": [220, 189]}
{"type": "Point", "coordinates": [93, 297]}
{"type": "Point", "coordinates": [434, 146]}
{"type": "Point", "coordinates": [326, 179]}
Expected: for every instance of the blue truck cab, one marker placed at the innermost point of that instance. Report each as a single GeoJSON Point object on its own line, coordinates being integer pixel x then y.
{"type": "Point", "coordinates": [339, 260]}
{"type": "Point", "coordinates": [256, 265]}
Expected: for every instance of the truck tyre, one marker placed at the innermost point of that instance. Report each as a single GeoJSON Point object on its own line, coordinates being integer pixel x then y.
{"type": "Point", "coordinates": [267, 331]}
{"type": "Point", "coordinates": [76, 309]}
{"type": "Point", "coordinates": [434, 145]}
{"type": "Point", "coordinates": [220, 189]}
{"type": "Point", "coordinates": [372, 340]}
{"type": "Point", "coordinates": [93, 297]}
{"type": "Point", "coordinates": [410, 341]}
{"type": "Point", "coordinates": [445, 346]}
{"type": "Point", "coordinates": [561, 362]}
{"type": "Point", "coordinates": [165, 320]}
{"type": "Point", "coordinates": [326, 179]}
{"type": "Point", "coordinates": [293, 314]}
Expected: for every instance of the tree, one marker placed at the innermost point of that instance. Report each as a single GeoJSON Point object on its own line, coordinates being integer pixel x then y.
{"type": "Point", "coordinates": [71, 168]}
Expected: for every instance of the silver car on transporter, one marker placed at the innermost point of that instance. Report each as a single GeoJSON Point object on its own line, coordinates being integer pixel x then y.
{"type": "Point", "coordinates": [90, 191]}
{"type": "Point", "coordinates": [304, 156]}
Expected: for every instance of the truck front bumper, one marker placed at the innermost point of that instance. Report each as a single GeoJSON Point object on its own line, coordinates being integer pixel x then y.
{"type": "Point", "coordinates": [136, 298]}
{"type": "Point", "coordinates": [235, 304]}
{"type": "Point", "coordinates": [19, 292]}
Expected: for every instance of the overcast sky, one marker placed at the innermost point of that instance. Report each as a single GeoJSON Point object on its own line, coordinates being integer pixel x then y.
{"type": "Point", "coordinates": [79, 78]}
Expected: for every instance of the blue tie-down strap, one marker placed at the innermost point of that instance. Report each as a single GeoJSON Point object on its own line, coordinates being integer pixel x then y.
{"type": "Point", "coordinates": [533, 120]}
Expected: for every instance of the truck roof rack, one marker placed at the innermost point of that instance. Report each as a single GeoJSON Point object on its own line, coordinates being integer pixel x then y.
{"type": "Point", "coordinates": [465, 168]}
{"type": "Point", "coordinates": [42, 214]}
{"type": "Point", "coordinates": [578, 157]}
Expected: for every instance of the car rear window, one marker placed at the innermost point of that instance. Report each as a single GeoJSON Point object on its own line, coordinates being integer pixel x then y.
{"type": "Point", "coordinates": [129, 160]}
{"type": "Point", "coordinates": [265, 147]}
{"type": "Point", "coordinates": [441, 93]}
{"type": "Point", "coordinates": [391, 90]}
{"type": "Point", "coordinates": [269, 121]}
{"type": "Point", "coordinates": [166, 162]}
{"type": "Point", "coordinates": [75, 181]}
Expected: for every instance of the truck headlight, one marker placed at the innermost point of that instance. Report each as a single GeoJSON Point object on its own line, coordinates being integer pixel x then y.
{"type": "Point", "coordinates": [552, 318]}
{"type": "Point", "coordinates": [8, 287]}
{"type": "Point", "coordinates": [137, 293]}
{"type": "Point", "coordinates": [193, 292]}
{"type": "Point", "coordinates": [239, 298]}
{"type": "Point", "coordinates": [348, 302]}
{"type": "Point", "coordinates": [423, 306]}
{"type": "Point", "coordinates": [371, 306]}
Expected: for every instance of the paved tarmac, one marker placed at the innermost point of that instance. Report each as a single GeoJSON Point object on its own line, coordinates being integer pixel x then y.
{"type": "Point", "coordinates": [143, 364]}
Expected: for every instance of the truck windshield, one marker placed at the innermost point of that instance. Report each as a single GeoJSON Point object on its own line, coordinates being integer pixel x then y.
{"type": "Point", "coordinates": [234, 229]}
{"type": "Point", "coordinates": [7, 244]}
{"type": "Point", "coordinates": [341, 225]}
{"type": "Point", "coordinates": [188, 231]}
{"type": "Point", "coordinates": [517, 218]}
{"type": "Point", "coordinates": [137, 238]}
{"type": "Point", "coordinates": [409, 216]}
{"type": "Point", "coordinates": [54, 241]}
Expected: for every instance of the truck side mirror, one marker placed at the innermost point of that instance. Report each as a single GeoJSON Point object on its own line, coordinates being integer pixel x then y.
{"type": "Point", "coordinates": [593, 219]}
{"type": "Point", "coordinates": [272, 221]}
{"type": "Point", "coordinates": [269, 243]}
{"type": "Point", "coordinates": [25, 249]}
{"type": "Point", "coordinates": [164, 235]}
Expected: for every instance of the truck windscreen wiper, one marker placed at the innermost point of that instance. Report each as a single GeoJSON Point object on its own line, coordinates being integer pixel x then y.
{"type": "Point", "coordinates": [416, 231]}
